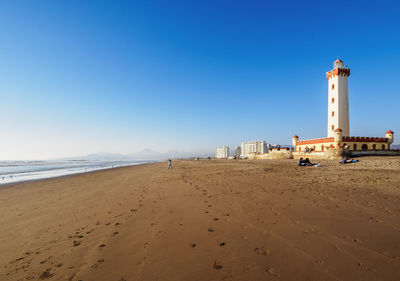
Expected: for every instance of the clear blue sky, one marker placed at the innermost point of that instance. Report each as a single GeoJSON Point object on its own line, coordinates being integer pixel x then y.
{"type": "Point", "coordinates": [78, 77]}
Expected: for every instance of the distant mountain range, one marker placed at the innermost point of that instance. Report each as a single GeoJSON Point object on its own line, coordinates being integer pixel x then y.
{"type": "Point", "coordinates": [146, 154]}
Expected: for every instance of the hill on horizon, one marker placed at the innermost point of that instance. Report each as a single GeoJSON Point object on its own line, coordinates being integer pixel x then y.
{"type": "Point", "coordinates": [145, 154]}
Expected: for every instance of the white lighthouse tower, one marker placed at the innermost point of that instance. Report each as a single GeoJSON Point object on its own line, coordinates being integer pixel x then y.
{"type": "Point", "coordinates": [338, 99]}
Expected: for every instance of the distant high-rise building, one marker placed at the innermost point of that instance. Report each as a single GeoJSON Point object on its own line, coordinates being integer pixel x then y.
{"type": "Point", "coordinates": [238, 151]}
{"type": "Point", "coordinates": [222, 152]}
{"type": "Point", "coordinates": [253, 147]}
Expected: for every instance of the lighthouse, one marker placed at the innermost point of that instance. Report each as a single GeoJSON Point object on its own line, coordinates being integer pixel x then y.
{"type": "Point", "coordinates": [338, 139]}
{"type": "Point", "coordinates": [338, 99]}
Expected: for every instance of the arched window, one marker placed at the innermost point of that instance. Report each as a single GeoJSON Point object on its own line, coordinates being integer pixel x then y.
{"type": "Point", "coordinates": [355, 146]}
{"type": "Point", "coordinates": [333, 100]}
{"type": "Point", "coordinates": [333, 86]}
{"type": "Point", "coordinates": [333, 113]}
{"type": "Point", "coordinates": [364, 147]}
{"type": "Point", "coordinates": [333, 127]}
{"type": "Point", "coordinates": [383, 147]}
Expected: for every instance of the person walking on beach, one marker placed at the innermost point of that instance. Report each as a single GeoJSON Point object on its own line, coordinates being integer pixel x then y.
{"type": "Point", "coordinates": [169, 163]}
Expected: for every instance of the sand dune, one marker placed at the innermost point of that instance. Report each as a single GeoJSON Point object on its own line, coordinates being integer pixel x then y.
{"type": "Point", "coordinates": [206, 220]}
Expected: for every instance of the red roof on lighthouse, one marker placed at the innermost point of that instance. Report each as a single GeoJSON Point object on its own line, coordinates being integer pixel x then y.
{"type": "Point", "coordinates": [295, 136]}
{"type": "Point", "coordinates": [338, 130]}
{"type": "Point", "coordinates": [389, 132]}
{"type": "Point", "coordinates": [338, 60]}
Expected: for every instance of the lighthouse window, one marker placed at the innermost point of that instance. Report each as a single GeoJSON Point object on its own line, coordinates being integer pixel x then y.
{"type": "Point", "coordinates": [333, 127]}
{"type": "Point", "coordinates": [333, 113]}
{"type": "Point", "coordinates": [333, 100]}
{"type": "Point", "coordinates": [333, 86]}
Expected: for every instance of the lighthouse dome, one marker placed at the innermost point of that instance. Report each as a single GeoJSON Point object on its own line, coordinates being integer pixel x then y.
{"type": "Point", "coordinates": [338, 64]}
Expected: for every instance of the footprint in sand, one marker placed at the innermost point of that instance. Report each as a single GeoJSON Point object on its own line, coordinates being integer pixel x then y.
{"type": "Point", "coordinates": [361, 264]}
{"type": "Point", "coordinates": [97, 263]}
{"type": "Point", "coordinates": [261, 251]}
{"type": "Point", "coordinates": [272, 271]}
{"type": "Point", "coordinates": [374, 220]}
{"type": "Point", "coordinates": [217, 265]}
{"type": "Point", "coordinates": [46, 274]}
{"type": "Point", "coordinates": [19, 259]}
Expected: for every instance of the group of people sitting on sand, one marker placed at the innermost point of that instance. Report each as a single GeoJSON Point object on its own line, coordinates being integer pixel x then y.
{"type": "Point", "coordinates": [307, 162]}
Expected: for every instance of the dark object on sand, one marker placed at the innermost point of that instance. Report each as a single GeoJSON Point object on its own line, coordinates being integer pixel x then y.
{"type": "Point", "coordinates": [347, 161]}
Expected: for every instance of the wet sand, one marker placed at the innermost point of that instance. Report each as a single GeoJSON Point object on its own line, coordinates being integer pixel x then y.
{"type": "Point", "coordinates": [207, 220]}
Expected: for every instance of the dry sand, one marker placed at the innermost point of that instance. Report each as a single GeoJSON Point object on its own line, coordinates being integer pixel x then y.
{"type": "Point", "coordinates": [206, 220]}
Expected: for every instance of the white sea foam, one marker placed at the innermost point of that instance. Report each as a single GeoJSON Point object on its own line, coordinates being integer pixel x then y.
{"type": "Point", "coordinates": [17, 171]}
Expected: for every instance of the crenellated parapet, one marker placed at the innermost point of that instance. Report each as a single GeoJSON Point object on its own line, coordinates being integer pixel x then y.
{"type": "Point", "coordinates": [338, 72]}
{"type": "Point", "coordinates": [364, 139]}
{"type": "Point", "coordinates": [316, 141]}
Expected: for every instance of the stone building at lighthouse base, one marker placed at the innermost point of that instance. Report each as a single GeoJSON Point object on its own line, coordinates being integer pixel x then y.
{"type": "Point", "coordinates": [339, 146]}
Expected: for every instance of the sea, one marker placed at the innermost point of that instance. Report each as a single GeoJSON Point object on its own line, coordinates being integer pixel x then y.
{"type": "Point", "coordinates": [19, 171]}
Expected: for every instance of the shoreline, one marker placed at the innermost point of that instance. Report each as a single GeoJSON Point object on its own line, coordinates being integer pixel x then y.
{"type": "Point", "coordinates": [3, 185]}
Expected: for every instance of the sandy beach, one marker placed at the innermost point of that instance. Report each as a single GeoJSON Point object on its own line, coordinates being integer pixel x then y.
{"type": "Point", "coordinates": [206, 220]}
